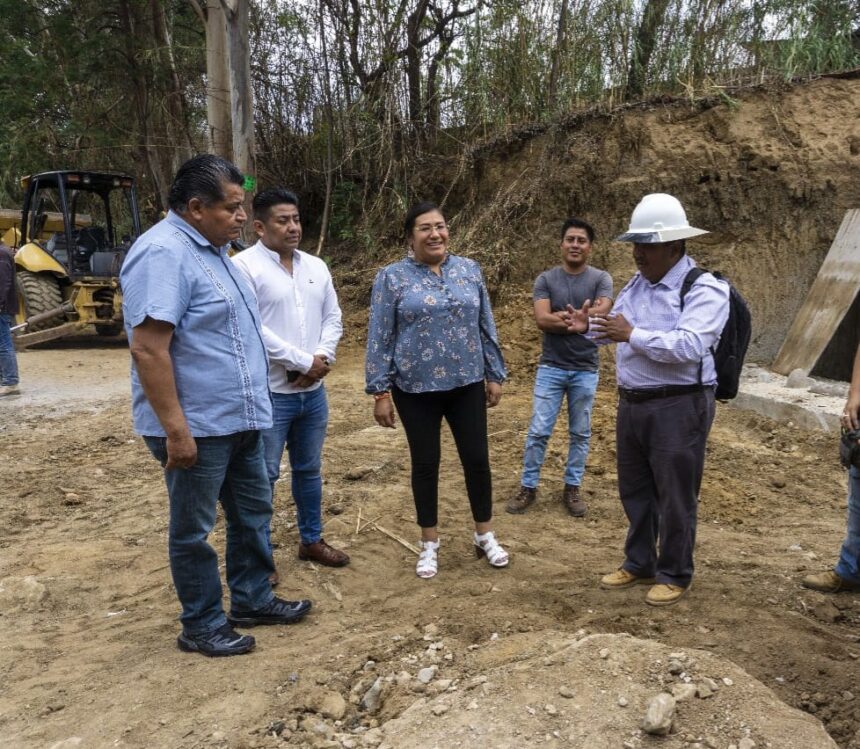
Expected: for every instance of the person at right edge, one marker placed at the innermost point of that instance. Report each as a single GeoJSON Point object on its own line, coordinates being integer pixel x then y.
{"type": "Point", "coordinates": [845, 576]}
{"type": "Point", "coordinates": [666, 401]}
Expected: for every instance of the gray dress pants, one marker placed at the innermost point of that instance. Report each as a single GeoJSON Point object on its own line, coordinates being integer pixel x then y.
{"type": "Point", "coordinates": [661, 457]}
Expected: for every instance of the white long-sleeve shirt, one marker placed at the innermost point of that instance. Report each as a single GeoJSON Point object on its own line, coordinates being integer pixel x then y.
{"type": "Point", "coordinates": [300, 312]}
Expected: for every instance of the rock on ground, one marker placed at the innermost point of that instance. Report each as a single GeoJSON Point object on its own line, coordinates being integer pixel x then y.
{"type": "Point", "coordinates": [24, 593]}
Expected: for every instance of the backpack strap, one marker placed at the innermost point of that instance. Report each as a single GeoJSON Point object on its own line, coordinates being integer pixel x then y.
{"type": "Point", "coordinates": [692, 276]}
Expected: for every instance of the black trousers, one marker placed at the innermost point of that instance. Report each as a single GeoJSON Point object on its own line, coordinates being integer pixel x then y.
{"type": "Point", "coordinates": [465, 410]}
{"type": "Point", "coordinates": [661, 458]}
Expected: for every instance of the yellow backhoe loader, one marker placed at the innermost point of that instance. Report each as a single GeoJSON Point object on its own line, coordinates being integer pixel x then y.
{"type": "Point", "coordinates": [71, 239]}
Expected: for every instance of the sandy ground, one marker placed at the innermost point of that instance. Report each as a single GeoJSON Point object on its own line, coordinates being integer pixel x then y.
{"type": "Point", "coordinates": [83, 510]}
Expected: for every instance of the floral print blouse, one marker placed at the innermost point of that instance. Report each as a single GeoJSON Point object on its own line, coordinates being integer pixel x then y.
{"type": "Point", "coordinates": [429, 332]}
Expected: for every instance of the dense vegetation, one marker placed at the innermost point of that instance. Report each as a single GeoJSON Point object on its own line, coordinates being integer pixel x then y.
{"type": "Point", "coordinates": [370, 102]}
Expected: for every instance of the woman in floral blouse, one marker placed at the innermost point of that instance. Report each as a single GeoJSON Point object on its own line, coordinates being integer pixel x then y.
{"type": "Point", "coordinates": [433, 352]}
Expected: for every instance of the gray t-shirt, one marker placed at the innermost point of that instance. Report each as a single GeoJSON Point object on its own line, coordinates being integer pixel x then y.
{"type": "Point", "coordinates": [570, 351]}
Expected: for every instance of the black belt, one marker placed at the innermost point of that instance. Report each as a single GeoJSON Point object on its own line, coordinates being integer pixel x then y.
{"type": "Point", "coordinates": [647, 394]}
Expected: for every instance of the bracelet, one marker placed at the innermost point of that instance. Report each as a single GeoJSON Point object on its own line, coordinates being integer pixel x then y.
{"type": "Point", "coordinates": [381, 396]}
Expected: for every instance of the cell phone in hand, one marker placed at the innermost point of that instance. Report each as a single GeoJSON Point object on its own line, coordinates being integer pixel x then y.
{"type": "Point", "coordinates": [292, 375]}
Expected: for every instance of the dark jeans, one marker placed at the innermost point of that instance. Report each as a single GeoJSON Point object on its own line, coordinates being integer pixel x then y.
{"type": "Point", "coordinates": [661, 457]}
{"type": "Point", "coordinates": [465, 410]}
{"type": "Point", "coordinates": [230, 469]}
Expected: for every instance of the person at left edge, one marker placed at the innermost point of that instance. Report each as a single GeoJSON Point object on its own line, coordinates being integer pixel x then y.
{"type": "Point", "coordinates": [8, 310]}
{"type": "Point", "coordinates": [200, 399]}
{"type": "Point", "coordinates": [301, 329]}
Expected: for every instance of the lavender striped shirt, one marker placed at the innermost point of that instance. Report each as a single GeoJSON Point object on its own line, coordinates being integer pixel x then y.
{"type": "Point", "coordinates": [667, 343]}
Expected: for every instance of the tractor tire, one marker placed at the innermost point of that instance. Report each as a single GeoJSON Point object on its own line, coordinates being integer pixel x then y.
{"type": "Point", "coordinates": [39, 292]}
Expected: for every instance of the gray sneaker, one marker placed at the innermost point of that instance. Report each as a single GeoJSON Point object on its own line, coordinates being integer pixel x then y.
{"type": "Point", "coordinates": [223, 641]}
{"type": "Point", "coordinates": [9, 390]}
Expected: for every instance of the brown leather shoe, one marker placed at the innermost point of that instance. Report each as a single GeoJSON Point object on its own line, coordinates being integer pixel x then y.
{"type": "Point", "coordinates": [573, 501]}
{"type": "Point", "coordinates": [323, 553]}
{"type": "Point", "coordinates": [520, 502]}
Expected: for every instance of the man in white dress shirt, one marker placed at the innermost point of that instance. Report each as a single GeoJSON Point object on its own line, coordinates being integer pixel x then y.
{"type": "Point", "coordinates": [301, 329]}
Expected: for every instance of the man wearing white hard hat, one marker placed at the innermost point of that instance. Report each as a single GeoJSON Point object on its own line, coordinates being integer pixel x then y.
{"type": "Point", "coordinates": [666, 378]}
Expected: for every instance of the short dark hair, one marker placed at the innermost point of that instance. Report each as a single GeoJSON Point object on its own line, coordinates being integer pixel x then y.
{"type": "Point", "coordinates": [425, 206]}
{"type": "Point", "coordinates": [578, 223]}
{"type": "Point", "coordinates": [267, 199]}
{"type": "Point", "coordinates": [202, 177]}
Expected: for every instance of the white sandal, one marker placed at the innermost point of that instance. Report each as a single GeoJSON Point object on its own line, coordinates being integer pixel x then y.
{"type": "Point", "coordinates": [487, 546]}
{"type": "Point", "coordinates": [428, 561]}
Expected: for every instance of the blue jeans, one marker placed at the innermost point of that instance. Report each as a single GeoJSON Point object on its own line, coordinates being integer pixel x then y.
{"type": "Point", "coordinates": [551, 385]}
{"type": "Point", "coordinates": [8, 362]}
{"type": "Point", "coordinates": [848, 567]}
{"type": "Point", "coordinates": [231, 469]}
{"type": "Point", "coordinates": [299, 422]}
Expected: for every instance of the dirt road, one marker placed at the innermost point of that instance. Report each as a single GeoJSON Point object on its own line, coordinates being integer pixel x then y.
{"type": "Point", "coordinates": [92, 655]}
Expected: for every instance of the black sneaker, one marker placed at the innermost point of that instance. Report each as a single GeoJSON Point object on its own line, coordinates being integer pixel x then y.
{"type": "Point", "coordinates": [276, 611]}
{"type": "Point", "coordinates": [222, 641]}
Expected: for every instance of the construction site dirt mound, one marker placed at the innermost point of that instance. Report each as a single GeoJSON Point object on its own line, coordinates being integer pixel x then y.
{"type": "Point", "coordinates": [600, 692]}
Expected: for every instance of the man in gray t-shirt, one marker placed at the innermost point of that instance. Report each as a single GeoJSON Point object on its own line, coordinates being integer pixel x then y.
{"type": "Point", "coordinates": [568, 365]}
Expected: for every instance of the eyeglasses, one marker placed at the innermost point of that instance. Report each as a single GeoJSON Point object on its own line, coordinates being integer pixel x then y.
{"type": "Point", "coordinates": [440, 227]}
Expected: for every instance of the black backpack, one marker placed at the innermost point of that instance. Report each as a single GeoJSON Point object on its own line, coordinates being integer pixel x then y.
{"type": "Point", "coordinates": [732, 347]}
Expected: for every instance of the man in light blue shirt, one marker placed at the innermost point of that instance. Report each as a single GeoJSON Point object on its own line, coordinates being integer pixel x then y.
{"type": "Point", "coordinates": [666, 378]}
{"type": "Point", "coordinates": [200, 398]}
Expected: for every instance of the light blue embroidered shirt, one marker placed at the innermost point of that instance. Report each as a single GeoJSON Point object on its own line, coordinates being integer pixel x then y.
{"type": "Point", "coordinates": [174, 275]}
{"type": "Point", "coordinates": [668, 343]}
{"type": "Point", "coordinates": [431, 332]}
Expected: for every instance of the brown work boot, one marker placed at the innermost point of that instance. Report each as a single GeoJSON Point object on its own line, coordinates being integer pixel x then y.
{"type": "Point", "coordinates": [520, 502]}
{"type": "Point", "coordinates": [573, 501]}
{"type": "Point", "coordinates": [621, 578]}
{"type": "Point", "coordinates": [829, 582]}
{"type": "Point", "coordinates": [323, 553]}
{"type": "Point", "coordinates": [664, 594]}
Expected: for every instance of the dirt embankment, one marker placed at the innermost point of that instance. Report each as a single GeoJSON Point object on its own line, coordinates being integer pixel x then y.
{"type": "Point", "coordinates": [88, 650]}
{"type": "Point", "coordinates": [769, 172]}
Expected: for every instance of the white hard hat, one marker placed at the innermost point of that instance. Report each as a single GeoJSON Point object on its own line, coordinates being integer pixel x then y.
{"type": "Point", "coordinates": [659, 218]}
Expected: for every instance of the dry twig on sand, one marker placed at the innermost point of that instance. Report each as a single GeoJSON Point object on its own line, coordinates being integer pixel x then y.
{"type": "Point", "coordinates": [414, 549]}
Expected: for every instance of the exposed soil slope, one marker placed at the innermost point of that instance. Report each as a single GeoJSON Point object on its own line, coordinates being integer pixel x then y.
{"type": "Point", "coordinates": [769, 172]}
